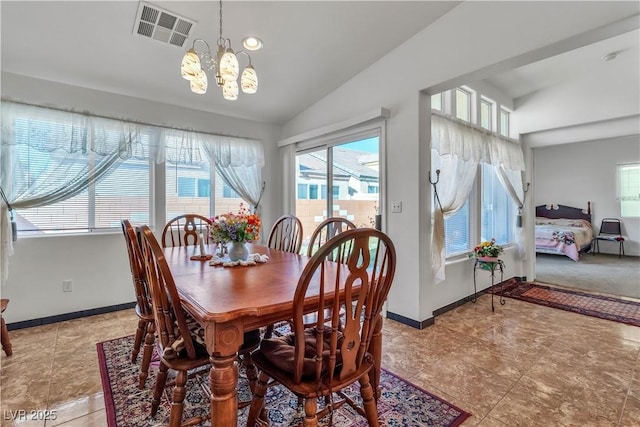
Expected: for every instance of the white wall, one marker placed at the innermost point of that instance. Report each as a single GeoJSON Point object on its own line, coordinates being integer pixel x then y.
{"type": "Point", "coordinates": [473, 36]}
{"type": "Point", "coordinates": [573, 174]}
{"type": "Point", "coordinates": [97, 263]}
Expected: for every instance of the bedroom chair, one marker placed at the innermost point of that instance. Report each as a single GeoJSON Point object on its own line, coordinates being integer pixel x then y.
{"type": "Point", "coordinates": [146, 324]}
{"type": "Point", "coordinates": [180, 340]}
{"type": "Point", "coordinates": [610, 231]}
{"type": "Point", "coordinates": [321, 360]}
{"type": "Point", "coordinates": [6, 343]}
{"type": "Point", "coordinates": [183, 230]}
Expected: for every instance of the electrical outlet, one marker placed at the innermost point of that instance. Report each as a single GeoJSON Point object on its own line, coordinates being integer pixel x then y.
{"type": "Point", "coordinates": [396, 207]}
{"type": "Point", "coordinates": [67, 285]}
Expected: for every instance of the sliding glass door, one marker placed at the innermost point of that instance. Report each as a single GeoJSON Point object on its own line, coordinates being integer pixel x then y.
{"type": "Point", "coordinates": [340, 180]}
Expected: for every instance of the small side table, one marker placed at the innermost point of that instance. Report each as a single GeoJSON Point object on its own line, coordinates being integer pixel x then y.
{"type": "Point", "coordinates": [491, 267]}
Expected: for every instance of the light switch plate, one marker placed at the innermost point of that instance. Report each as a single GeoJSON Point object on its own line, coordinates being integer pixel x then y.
{"type": "Point", "coordinates": [396, 207]}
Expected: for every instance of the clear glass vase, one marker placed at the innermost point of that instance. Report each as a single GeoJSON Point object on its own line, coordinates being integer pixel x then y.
{"type": "Point", "coordinates": [238, 251]}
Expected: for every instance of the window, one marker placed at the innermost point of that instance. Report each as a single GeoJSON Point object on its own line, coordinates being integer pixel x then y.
{"type": "Point", "coordinates": [486, 108]}
{"type": "Point", "coordinates": [55, 152]}
{"type": "Point", "coordinates": [436, 101]}
{"type": "Point", "coordinates": [489, 212]}
{"type": "Point", "coordinates": [313, 191]}
{"type": "Point", "coordinates": [458, 232]}
{"type": "Point", "coordinates": [228, 192]}
{"type": "Point", "coordinates": [335, 191]}
{"type": "Point", "coordinates": [302, 191]}
{"type": "Point", "coordinates": [372, 189]}
{"type": "Point", "coordinates": [504, 122]}
{"type": "Point", "coordinates": [498, 209]}
{"type": "Point", "coordinates": [122, 193]}
{"type": "Point", "coordinates": [629, 189]}
{"type": "Point", "coordinates": [463, 104]}
{"type": "Point", "coordinates": [186, 186]}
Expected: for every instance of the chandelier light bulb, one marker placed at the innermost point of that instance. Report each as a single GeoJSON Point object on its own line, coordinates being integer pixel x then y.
{"type": "Point", "coordinates": [249, 80]}
{"type": "Point", "coordinates": [190, 66]}
{"type": "Point", "coordinates": [229, 68]}
{"type": "Point", "coordinates": [230, 90]}
{"type": "Point", "coordinates": [200, 83]}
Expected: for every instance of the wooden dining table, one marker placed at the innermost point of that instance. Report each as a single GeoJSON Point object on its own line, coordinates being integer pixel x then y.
{"type": "Point", "coordinates": [228, 301]}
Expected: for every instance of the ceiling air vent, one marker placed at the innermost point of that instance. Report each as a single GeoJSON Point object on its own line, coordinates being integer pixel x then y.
{"type": "Point", "coordinates": [160, 24]}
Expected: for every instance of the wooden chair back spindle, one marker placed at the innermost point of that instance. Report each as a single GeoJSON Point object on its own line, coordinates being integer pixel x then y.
{"type": "Point", "coordinates": [326, 230]}
{"type": "Point", "coordinates": [184, 230]}
{"type": "Point", "coordinates": [286, 234]}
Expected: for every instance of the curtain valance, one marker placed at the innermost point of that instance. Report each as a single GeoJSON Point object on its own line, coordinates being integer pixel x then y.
{"type": "Point", "coordinates": [451, 136]}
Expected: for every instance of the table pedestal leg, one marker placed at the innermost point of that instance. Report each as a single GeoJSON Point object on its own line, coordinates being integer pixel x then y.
{"type": "Point", "coordinates": [223, 380]}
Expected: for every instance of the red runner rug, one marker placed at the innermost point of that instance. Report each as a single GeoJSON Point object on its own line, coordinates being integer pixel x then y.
{"type": "Point", "coordinates": [401, 404]}
{"type": "Point", "coordinates": [601, 306]}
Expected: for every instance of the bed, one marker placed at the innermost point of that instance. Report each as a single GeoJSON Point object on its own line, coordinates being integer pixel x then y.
{"type": "Point", "coordinates": [563, 230]}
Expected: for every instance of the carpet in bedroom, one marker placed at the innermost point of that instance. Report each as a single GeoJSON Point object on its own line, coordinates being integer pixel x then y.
{"type": "Point", "coordinates": [602, 273]}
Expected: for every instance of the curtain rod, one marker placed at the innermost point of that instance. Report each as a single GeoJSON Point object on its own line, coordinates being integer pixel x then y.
{"type": "Point", "coordinates": [138, 122]}
{"type": "Point", "coordinates": [473, 126]}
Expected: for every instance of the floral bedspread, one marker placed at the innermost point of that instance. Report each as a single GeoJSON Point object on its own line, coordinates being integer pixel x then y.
{"type": "Point", "coordinates": [563, 236]}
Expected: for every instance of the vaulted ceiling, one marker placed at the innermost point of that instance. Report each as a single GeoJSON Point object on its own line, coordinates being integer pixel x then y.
{"type": "Point", "coordinates": [310, 49]}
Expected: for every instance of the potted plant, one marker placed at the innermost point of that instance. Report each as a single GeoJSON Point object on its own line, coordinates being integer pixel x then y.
{"type": "Point", "coordinates": [487, 251]}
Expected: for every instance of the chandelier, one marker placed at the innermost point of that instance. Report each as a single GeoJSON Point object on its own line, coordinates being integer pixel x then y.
{"type": "Point", "coordinates": [225, 64]}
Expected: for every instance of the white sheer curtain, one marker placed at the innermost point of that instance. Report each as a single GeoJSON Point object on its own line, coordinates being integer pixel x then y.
{"type": "Point", "coordinates": [239, 162]}
{"type": "Point", "coordinates": [458, 149]}
{"type": "Point", "coordinates": [512, 181]}
{"type": "Point", "coordinates": [48, 156]}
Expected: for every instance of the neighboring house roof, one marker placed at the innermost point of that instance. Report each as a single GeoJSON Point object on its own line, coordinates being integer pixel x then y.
{"type": "Point", "coordinates": [349, 162]}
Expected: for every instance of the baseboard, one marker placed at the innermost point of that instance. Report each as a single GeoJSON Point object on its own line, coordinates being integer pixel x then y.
{"type": "Point", "coordinates": [410, 322]}
{"type": "Point", "coordinates": [68, 316]}
{"type": "Point", "coordinates": [440, 311]}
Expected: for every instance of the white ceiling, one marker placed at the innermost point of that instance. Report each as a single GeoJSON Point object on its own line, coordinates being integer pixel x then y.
{"type": "Point", "coordinates": [310, 49]}
{"type": "Point", "coordinates": [559, 69]}
{"type": "Point", "coordinates": [91, 44]}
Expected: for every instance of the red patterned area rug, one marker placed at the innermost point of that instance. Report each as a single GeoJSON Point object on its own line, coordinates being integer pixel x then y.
{"type": "Point", "coordinates": [604, 307]}
{"type": "Point", "coordinates": [401, 404]}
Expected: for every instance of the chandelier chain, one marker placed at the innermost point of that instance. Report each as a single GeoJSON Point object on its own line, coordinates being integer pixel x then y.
{"type": "Point", "coordinates": [221, 20]}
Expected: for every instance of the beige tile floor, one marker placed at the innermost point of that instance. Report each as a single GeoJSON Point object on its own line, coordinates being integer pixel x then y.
{"type": "Point", "coordinates": [524, 365]}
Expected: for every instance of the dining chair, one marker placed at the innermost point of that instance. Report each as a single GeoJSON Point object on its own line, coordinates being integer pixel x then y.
{"type": "Point", "coordinates": [183, 230]}
{"type": "Point", "coordinates": [180, 339]}
{"type": "Point", "coordinates": [286, 234]}
{"type": "Point", "coordinates": [327, 229]}
{"type": "Point", "coordinates": [146, 324]}
{"type": "Point", "coordinates": [6, 343]}
{"type": "Point", "coordinates": [324, 232]}
{"type": "Point", "coordinates": [321, 360]}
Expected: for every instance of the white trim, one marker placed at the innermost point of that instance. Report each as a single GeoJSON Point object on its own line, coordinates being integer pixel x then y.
{"type": "Point", "coordinates": [376, 114]}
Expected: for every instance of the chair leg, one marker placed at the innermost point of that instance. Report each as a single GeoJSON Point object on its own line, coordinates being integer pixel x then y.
{"type": "Point", "coordinates": [369, 403]}
{"type": "Point", "coordinates": [310, 413]}
{"type": "Point", "coordinates": [250, 370]}
{"type": "Point", "coordinates": [161, 380]}
{"type": "Point", "coordinates": [147, 352]}
{"type": "Point", "coordinates": [140, 332]}
{"type": "Point", "coordinates": [6, 343]}
{"type": "Point", "coordinates": [177, 404]}
{"type": "Point", "coordinates": [257, 402]}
